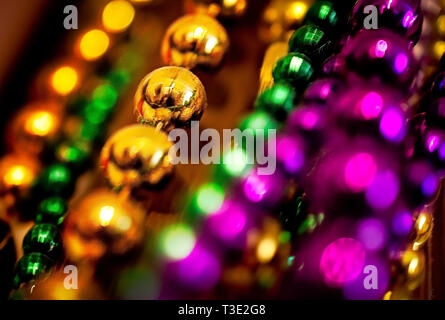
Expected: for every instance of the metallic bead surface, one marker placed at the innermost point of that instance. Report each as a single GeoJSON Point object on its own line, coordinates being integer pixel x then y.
{"type": "Point", "coordinates": [170, 97]}
{"type": "Point", "coordinates": [136, 155]}
{"type": "Point", "coordinates": [232, 8]}
{"type": "Point", "coordinates": [194, 40]}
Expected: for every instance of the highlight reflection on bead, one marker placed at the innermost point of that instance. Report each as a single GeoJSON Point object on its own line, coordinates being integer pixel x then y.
{"type": "Point", "coordinates": [194, 40]}
{"type": "Point", "coordinates": [170, 97]}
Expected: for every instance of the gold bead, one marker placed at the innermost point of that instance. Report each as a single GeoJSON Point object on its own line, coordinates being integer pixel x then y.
{"type": "Point", "coordinates": [227, 8]}
{"type": "Point", "coordinates": [413, 263]}
{"type": "Point", "coordinates": [103, 222]}
{"type": "Point", "coordinates": [34, 127]}
{"type": "Point", "coordinates": [423, 228]}
{"type": "Point", "coordinates": [170, 97]}
{"type": "Point", "coordinates": [17, 172]}
{"type": "Point", "coordinates": [136, 155]}
{"type": "Point", "coordinates": [194, 40]}
{"type": "Point", "coordinates": [282, 16]}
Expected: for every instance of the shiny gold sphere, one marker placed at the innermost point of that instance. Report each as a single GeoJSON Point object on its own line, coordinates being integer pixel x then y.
{"type": "Point", "coordinates": [227, 8]}
{"type": "Point", "coordinates": [102, 223]}
{"type": "Point", "coordinates": [136, 155]}
{"type": "Point", "coordinates": [194, 40]}
{"type": "Point", "coordinates": [34, 127]}
{"type": "Point", "coordinates": [170, 97]}
{"type": "Point", "coordinates": [281, 17]}
{"type": "Point", "coordinates": [423, 227]}
{"type": "Point", "coordinates": [414, 264]}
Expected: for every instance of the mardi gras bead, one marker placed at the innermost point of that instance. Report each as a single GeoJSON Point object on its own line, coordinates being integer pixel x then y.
{"type": "Point", "coordinates": [18, 172]}
{"type": "Point", "coordinates": [423, 227]}
{"type": "Point", "coordinates": [401, 16]}
{"type": "Point", "coordinates": [413, 264]}
{"type": "Point", "coordinates": [334, 66]}
{"type": "Point", "coordinates": [420, 182]}
{"type": "Point", "coordinates": [278, 100]}
{"type": "Point", "coordinates": [31, 266]}
{"type": "Point", "coordinates": [311, 41]}
{"type": "Point", "coordinates": [103, 222]}
{"type": "Point", "coordinates": [438, 88]}
{"type": "Point", "coordinates": [282, 16]}
{"type": "Point", "coordinates": [57, 179]}
{"type": "Point", "coordinates": [324, 15]}
{"type": "Point", "coordinates": [170, 97]}
{"type": "Point", "coordinates": [195, 40]}
{"type": "Point", "coordinates": [51, 210]}
{"type": "Point", "coordinates": [226, 8]}
{"type": "Point", "coordinates": [43, 238]}
{"type": "Point", "coordinates": [136, 155]}
{"type": "Point", "coordinates": [34, 127]}
{"type": "Point", "coordinates": [295, 69]}
{"type": "Point", "coordinates": [382, 53]}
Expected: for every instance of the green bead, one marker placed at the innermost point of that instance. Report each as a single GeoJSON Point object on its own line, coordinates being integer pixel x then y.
{"type": "Point", "coordinates": [51, 210]}
{"type": "Point", "coordinates": [30, 266]}
{"type": "Point", "coordinates": [56, 180]}
{"type": "Point", "coordinates": [119, 78]}
{"type": "Point", "coordinates": [295, 69]}
{"type": "Point", "coordinates": [311, 41]}
{"type": "Point", "coordinates": [278, 100]}
{"type": "Point", "coordinates": [258, 122]}
{"type": "Point", "coordinates": [74, 154]}
{"type": "Point", "coordinates": [90, 131]}
{"type": "Point", "coordinates": [43, 238]}
{"type": "Point", "coordinates": [324, 15]}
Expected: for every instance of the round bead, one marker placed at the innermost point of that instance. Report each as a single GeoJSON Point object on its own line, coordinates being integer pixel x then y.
{"type": "Point", "coordinates": [30, 266]}
{"type": "Point", "coordinates": [73, 154]}
{"type": "Point", "coordinates": [102, 223]}
{"type": "Point", "coordinates": [194, 40]}
{"type": "Point", "coordinates": [136, 155]}
{"type": "Point", "coordinates": [278, 100]}
{"type": "Point", "coordinates": [295, 69]}
{"type": "Point", "coordinates": [382, 53]}
{"type": "Point", "coordinates": [56, 180]}
{"type": "Point", "coordinates": [43, 238]}
{"type": "Point", "coordinates": [34, 127]}
{"type": "Point", "coordinates": [214, 8]}
{"type": "Point", "coordinates": [18, 172]}
{"type": "Point", "coordinates": [311, 41]}
{"type": "Point", "coordinates": [258, 120]}
{"type": "Point", "coordinates": [334, 66]}
{"type": "Point", "coordinates": [51, 210]}
{"type": "Point", "coordinates": [324, 15]}
{"type": "Point", "coordinates": [402, 16]}
{"type": "Point", "coordinates": [170, 97]}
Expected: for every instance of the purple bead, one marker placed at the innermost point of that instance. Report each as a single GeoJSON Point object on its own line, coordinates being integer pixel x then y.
{"type": "Point", "coordinates": [334, 66]}
{"type": "Point", "coordinates": [321, 90]}
{"type": "Point", "coordinates": [438, 89]}
{"type": "Point", "coordinates": [401, 16]}
{"type": "Point", "coordinates": [421, 182]}
{"type": "Point", "coordinates": [382, 53]}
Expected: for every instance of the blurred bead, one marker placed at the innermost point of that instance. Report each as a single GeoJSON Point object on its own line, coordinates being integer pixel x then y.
{"type": "Point", "coordinates": [311, 41]}
{"type": "Point", "coordinates": [102, 223]}
{"type": "Point", "coordinates": [258, 120]}
{"type": "Point", "coordinates": [382, 53]}
{"type": "Point", "coordinates": [282, 16]}
{"type": "Point", "coordinates": [56, 180]}
{"type": "Point", "coordinates": [278, 101]}
{"type": "Point", "coordinates": [51, 210]}
{"type": "Point", "coordinates": [423, 227]}
{"type": "Point", "coordinates": [274, 52]}
{"type": "Point", "coordinates": [420, 182]}
{"type": "Point", "coordinates": [31, 266]}
{"type": "Point", "coordinates": [324, 15]}
{"type": "Point", "coordinates": [170, 97]}
{"type": "Point", "coordinates": [334, 66]}
{"type": "Point", "coordinates": [43, 238]}
{"type": "Point", "coordinates": [438, 88]}
{"type": "Point", "coordinates": [18, 172]}
{"type": "Point", "coordinates": [7, 259]}
{"type": "Point", "coordinates": [214, 8]}
{"type": "Point", "coordinates": [194, 40]}
{"type": "Point", "coordinates": [414, 264]}
{"type": "Point", "coordinates": [294, 69]}
{"type": "Point", "coordinates": [74, 154]}
{"type": "Point", "coordinates": [401, 16]}
{"type": "Point", "coordinates": [136, 155]}
{"type": "Point", "coordinates": [34, 127]}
